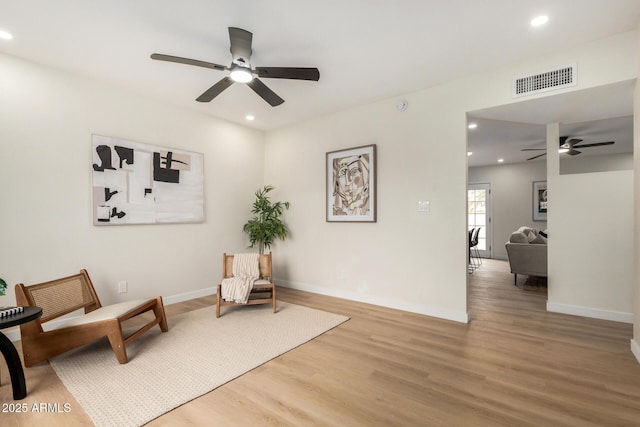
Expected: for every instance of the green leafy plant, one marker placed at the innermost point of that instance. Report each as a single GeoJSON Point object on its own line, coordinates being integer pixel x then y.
{"type": "Point", "coordinates": [266, 224]}
{"type": "Point", "coordinates": [3, 287]}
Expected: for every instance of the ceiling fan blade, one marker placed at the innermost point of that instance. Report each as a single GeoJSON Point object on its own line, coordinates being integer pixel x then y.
{"type": "Point", "coordinates": [573, 152]}
{"type": "Point", "coordinates": [596, 144]}
{"type": "Point", "coordinates": [295, 73]}
{"type": "Point", "coordinates": [240, 45]}
{"type": "Point", "coordinates": [573, 141]}
{"type": "Point", "coordinates": [215, 90]}
{"type": "Point", "coordinates": [535, 157]}
{"type": "Point", "coordinates": [534, 149]}
{"type": "Point", "coordinates": [180, 60]}
{"type": "Point", "coordinates": [266, 93]}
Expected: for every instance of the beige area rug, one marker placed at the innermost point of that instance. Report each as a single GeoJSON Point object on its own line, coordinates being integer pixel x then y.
{"type": "Point", "coordinates": [197, 355]}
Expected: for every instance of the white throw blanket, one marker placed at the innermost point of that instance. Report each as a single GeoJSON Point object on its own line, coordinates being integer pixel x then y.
{"type": "Point", "coordinates": [245, 271]}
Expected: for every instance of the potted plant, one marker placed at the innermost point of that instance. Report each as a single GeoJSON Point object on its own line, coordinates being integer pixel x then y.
{"type": "Point", "coordinates": [3, 287]}
{"type": "Point", "coordinates": [266, 223]}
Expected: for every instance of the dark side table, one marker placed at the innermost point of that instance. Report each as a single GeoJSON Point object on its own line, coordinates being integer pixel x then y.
{"type": "Point", "coordinates": [11, 354]}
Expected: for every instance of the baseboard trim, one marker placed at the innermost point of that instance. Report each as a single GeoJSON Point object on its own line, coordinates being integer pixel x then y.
{"type": "Point", "coordinates": [174, 299]}
{"type": "Point", "coordinates": [457, 316]}
{"type": "Point", "coordinates": [635, 349]}
{"type": "Point", "coordinates": [616, 316]}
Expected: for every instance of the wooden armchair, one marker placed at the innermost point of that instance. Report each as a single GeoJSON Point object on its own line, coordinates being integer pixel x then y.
{"type": "Point", "coordinates": [263, 290]}
{"type": "Point", "coordinates": [68, 294]}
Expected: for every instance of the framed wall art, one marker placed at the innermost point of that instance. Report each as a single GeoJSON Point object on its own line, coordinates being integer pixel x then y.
{"type": "Point", "coordinates": [540, 200]}
{"type": "Point", "coordinates": [351, 184]}
{"type": "Point", "coordinates": [135, 183]}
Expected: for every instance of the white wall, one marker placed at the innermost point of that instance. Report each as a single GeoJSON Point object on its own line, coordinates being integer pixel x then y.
{"type": "Point", "coordinates": [409, 260]}
{"type": "Point", "coordinates": [46, 121]}
{"type": "Point", "coordinates": [589, 164]}
{"type": "Point", "coordinates": [635, 342]}
{"type": "Point", "coordinates": [390, 262]}
{"type": "Point", "coordinates": [511, 198]}
{"type": "Point", "coordinates": [591, 257]}
{"type": "Point", "coordinates": [591, 245]}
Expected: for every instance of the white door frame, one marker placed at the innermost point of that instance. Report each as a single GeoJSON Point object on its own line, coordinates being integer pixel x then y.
{"type": "Point", "coordinates": [485, 249]}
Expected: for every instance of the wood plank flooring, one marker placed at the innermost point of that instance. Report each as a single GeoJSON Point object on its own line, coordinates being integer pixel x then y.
{"type": "Point", "coordinates": [514, 364]}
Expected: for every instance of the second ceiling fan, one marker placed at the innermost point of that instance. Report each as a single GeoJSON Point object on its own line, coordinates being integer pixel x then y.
{"type": "Point", "coordinates": [568, 145]}
{"type": "Point", "coordinates": [241, 71]}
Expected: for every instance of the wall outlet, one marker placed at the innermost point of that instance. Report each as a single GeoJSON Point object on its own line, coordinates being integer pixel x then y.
{"type": "Point", "coordinates": [122, 287]}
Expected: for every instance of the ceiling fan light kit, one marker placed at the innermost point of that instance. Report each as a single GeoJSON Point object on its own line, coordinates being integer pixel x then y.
{"type": "Point", "coordinates": [568, 145]}
{"type": "Point", "coordinates": [241, 71]}
{"type": "Point", "coordinates": [241, 74]}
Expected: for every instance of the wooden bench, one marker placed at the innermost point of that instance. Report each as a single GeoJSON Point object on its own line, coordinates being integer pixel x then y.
{"type": "Point", "coordinates": [68, 294]}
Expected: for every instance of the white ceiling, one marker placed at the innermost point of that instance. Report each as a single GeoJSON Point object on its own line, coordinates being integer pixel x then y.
{"type": "Point", "coordinates": [365, 50]}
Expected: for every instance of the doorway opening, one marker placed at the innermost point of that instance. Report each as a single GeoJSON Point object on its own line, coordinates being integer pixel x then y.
{"type": "Point", "coordinates": [479, 216]}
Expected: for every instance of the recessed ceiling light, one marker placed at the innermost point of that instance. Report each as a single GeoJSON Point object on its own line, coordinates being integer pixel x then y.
{"type": "Point", "coordinates": [249, 117]}
{"type": "Point", "coordinates": [469, 153]}
{"type": "Point", "coordinates": [472, 125]}
{"type": "Point", "coordinates": [5, 35]}
{"type": "Point", "coordinates": [500, 160]}
{"type": "Point", "coordinates": [539, 20]}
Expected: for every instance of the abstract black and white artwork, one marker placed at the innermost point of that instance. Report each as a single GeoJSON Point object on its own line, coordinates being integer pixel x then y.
{"type": "Point", "coordinates": [135, 183]}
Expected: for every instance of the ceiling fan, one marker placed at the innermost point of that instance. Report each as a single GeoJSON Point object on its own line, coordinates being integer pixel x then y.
{"type": "Point", "coordinates": [568, 145]}
{"type": "Point", "coordinates": [241, 71]}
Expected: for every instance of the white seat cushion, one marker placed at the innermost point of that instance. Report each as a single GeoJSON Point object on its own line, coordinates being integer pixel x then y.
{"type": "Point", "coordinates": [103, 313]}
{"type": "Point", "coordinates": [261, 282]}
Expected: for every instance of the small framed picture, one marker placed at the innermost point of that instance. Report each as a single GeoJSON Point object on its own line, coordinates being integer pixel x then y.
{"type": "Point", "coordinates": [351, 184]}
{"type": "Point", "coordinates": [540, 200]}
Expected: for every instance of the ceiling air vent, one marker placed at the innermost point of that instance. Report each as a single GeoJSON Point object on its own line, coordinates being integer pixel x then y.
{"type": "Point", "coordinates": [557, 78]}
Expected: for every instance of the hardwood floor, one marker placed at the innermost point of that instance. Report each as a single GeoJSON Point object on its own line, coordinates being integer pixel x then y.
{"type": "Point", "coordinates": [514, 364]}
